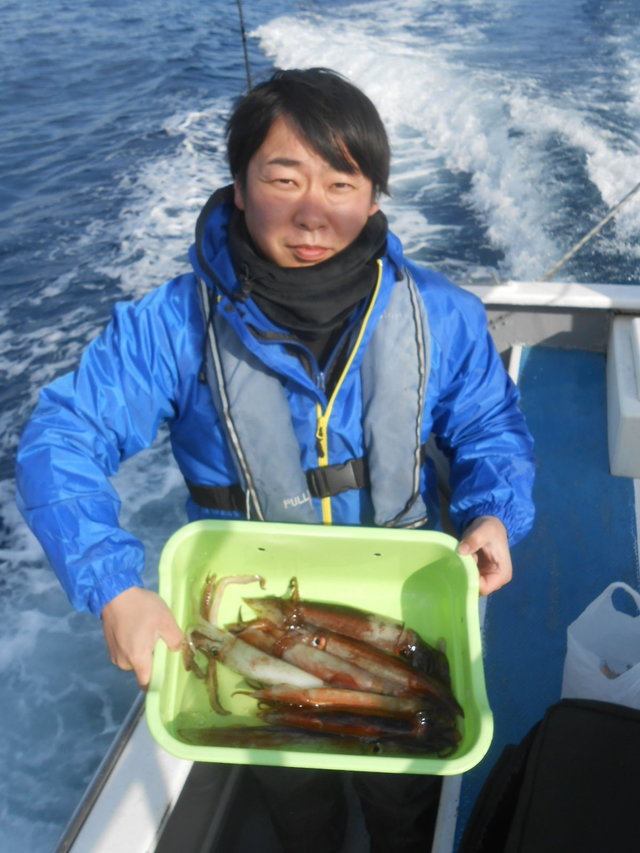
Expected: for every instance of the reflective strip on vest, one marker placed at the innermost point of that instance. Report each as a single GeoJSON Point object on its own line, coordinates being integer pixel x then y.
{"type": "Point", "coordinates": [253, 407]}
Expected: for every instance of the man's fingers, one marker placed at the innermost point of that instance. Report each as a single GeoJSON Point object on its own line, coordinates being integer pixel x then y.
{"type": "Point", "coordinates": [133, 622]}
{"type": "Point", "coordinates": [486, 541]}
{"type": "Point", "coordinates": [173, 637]}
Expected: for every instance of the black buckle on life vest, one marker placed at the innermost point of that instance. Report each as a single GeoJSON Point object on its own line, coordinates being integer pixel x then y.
{"type": "Point", "coordinates": [323, 482]}
{"type": "Point", "coordinates": [332, 480]}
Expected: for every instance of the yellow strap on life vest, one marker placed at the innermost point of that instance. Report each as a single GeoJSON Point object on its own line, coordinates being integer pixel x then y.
{"type": "Point", "coordinates": [322, 425]}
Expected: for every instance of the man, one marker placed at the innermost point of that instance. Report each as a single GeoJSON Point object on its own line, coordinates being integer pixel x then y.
{"type": "Point", "coordinates": [302, 367]}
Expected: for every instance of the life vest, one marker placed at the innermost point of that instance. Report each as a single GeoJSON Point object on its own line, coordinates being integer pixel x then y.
{"type": "Point", "coordinates": [253, 407]}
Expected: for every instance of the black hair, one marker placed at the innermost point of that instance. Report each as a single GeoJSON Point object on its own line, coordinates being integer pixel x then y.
{"type": "Point", "coordinates": [336, 118]}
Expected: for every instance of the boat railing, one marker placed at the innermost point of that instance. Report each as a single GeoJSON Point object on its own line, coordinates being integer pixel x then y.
{"type": "Point", "coordinates": [100, 777]}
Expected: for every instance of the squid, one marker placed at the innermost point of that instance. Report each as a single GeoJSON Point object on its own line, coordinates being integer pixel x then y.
{"type": "Point", "coordinates": [338, 699]}
{"type": "Point", "coordinates": [418, 732]}
{"type": "Point", "coordinates": [241, 657]}
{"type": "Point", "coordinates": [348, 725]}
{"type": "Point", "coordinates": [342, 661]}
{"type": "Point", "coordinates": [385, 634]}
{"type": "Point", "coordinates": [211, 597]}
{"type": "Point", "coordinates": [246, 660]}
{"type": "Point", "coordinates": [323, 672]}
{"type": "Point", "coordinates": [290, 646]}
{"type": "Point", "coordinates": [406, 680]}
{"type": "Point", "coordinates": [283, 738]}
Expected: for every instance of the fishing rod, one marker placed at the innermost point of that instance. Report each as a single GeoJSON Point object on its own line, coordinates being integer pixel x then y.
{"type": "Point", "coordinates": [243, 33]}
{"type": "Point", "coordinates": [554, 269]}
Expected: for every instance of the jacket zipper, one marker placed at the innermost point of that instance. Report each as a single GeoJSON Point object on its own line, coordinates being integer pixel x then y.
{"type": "Point", "coordinates": [322, 417]}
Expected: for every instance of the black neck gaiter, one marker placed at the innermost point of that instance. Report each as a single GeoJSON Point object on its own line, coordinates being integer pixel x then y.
{"type": "Point", "coordinates": [316, 299]}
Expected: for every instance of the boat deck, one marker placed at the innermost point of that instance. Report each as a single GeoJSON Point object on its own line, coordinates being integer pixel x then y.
{"type": "Point", "coordinates": [585, 537]}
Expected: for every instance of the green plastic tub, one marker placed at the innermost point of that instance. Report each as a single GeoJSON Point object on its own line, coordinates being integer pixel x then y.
{"type": "Point", "coordinates": [416, 576]}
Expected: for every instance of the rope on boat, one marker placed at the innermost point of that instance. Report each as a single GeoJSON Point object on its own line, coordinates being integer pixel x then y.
{"type": "Point", "coordinates": [243, 32]}
{"type": "Point", "coordinates": [548, 275]}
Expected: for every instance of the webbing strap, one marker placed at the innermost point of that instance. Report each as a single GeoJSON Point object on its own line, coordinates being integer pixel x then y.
{"type": "Point", "coordinates": [331, 480]}
{"type": "Point", "coordinates": [323, 482]}
{"type": "Point", "coordinates": [226, 498]}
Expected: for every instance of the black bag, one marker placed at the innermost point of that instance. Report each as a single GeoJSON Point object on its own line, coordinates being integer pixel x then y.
{"type": "Point", "coordinates": [572, 784]}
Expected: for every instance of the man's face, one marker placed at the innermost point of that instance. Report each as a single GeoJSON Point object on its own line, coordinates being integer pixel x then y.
{"type": "Point", "coordinates": [299, 210]}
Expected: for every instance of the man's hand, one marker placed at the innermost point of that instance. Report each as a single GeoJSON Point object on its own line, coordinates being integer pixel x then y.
{"type": "Point", "coordinates": [132, 623]}
{"type": "Point", "coordinates": [485, 539]}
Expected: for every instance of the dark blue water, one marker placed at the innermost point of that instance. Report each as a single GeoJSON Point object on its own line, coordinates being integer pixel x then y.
{"type": "Point", "coordinates": [514, 125]}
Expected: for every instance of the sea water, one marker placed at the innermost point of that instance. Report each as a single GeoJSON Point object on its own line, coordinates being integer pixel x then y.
{"type": "Point", "coordinates": [514, 126]}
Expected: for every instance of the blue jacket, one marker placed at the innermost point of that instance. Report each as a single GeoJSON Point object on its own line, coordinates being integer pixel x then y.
{"type": "Point", "coordinates": [146, 368]}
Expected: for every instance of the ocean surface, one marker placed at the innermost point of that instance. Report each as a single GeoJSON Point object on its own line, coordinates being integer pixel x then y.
{"type": "Point", "coordinates": [515, 126]}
